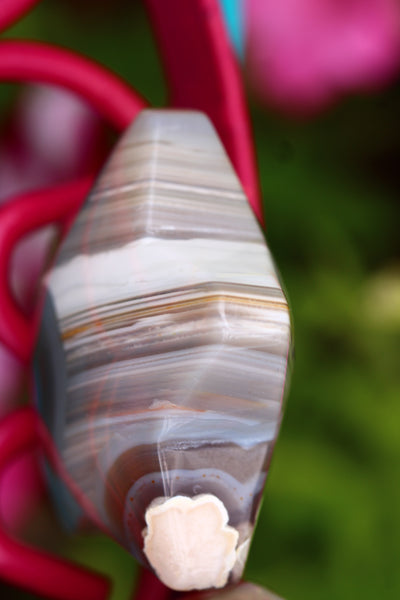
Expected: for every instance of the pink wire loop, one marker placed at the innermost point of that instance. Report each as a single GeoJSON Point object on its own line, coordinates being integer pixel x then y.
{"type": "Point", "coordinates": [24, 215]}
{"type": "Point", "coordinates": [22, 61]}
{"type": "Point", "coordinates": [27, 567]}
{"type": "Point", "coordinates": [12, 10]}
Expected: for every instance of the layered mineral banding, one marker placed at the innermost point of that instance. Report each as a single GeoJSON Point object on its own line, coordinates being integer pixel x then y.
{"type": "Point", "coordinates": [175, 335]}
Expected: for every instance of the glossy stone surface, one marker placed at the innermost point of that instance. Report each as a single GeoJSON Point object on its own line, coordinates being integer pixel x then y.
{"type": "Point", "coordinates": [175, 335]}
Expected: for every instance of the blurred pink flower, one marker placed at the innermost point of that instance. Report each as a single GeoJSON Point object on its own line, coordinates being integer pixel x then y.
{"type": "Point", "coordinates": [304, 54]}
{"type": "Point", "coordinates": [52, 137]}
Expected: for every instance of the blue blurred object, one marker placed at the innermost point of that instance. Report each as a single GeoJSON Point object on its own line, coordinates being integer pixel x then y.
{"type": "Point", "coordinates": [234, 20]}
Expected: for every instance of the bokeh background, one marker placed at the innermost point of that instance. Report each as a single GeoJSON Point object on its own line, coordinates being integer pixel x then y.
{"type": "Point", "coordinates": [330, 522]}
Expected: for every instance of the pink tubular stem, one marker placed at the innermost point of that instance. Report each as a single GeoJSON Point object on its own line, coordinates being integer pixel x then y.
{"type": "Point", "coordinates": [203, 74]}
{"type": "Point", "coordinates": [149, 587]}
{"type": "Point", "coordinates": [24, 215]}
{"type": "Point", "coordinates": [34, 570]}
{"type": "Point", "coordinates": [22, 61]}
{"type": "Point", "coordinates": [13, 10]}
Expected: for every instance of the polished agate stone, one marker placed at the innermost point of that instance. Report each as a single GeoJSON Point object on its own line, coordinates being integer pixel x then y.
{"type": "Point", "coordinates": [167, 336]}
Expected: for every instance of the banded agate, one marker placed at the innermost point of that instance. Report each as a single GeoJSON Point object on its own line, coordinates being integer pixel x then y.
{"type": "Point", "coordinates": [167, 335]}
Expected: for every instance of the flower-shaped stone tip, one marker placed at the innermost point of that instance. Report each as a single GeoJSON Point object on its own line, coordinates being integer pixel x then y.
{"type": "Point", "coordinates": [189, 543]}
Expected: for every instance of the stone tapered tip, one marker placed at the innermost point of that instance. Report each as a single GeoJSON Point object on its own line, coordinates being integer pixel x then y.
{"type": "Point", "coordinates": [189, 543]}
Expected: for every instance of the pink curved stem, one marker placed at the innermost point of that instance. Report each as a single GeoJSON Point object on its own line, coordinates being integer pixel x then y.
{"type": "Point", "coordinates": [12, 10]}
{"type": "Point", "coordinates": [27, 567]}
{"type": "Point", "coordinates": [202, 73]}
{"type": "Point", "coordinates": [25, 214]}
{"type": "Point", "coordinates": [33, 61]}
{"type": "Point", "coordinates": [150, 587]}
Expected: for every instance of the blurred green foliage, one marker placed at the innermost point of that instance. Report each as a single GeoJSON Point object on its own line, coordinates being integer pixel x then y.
{"type": "Point", "coordinates": [330, 523]}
